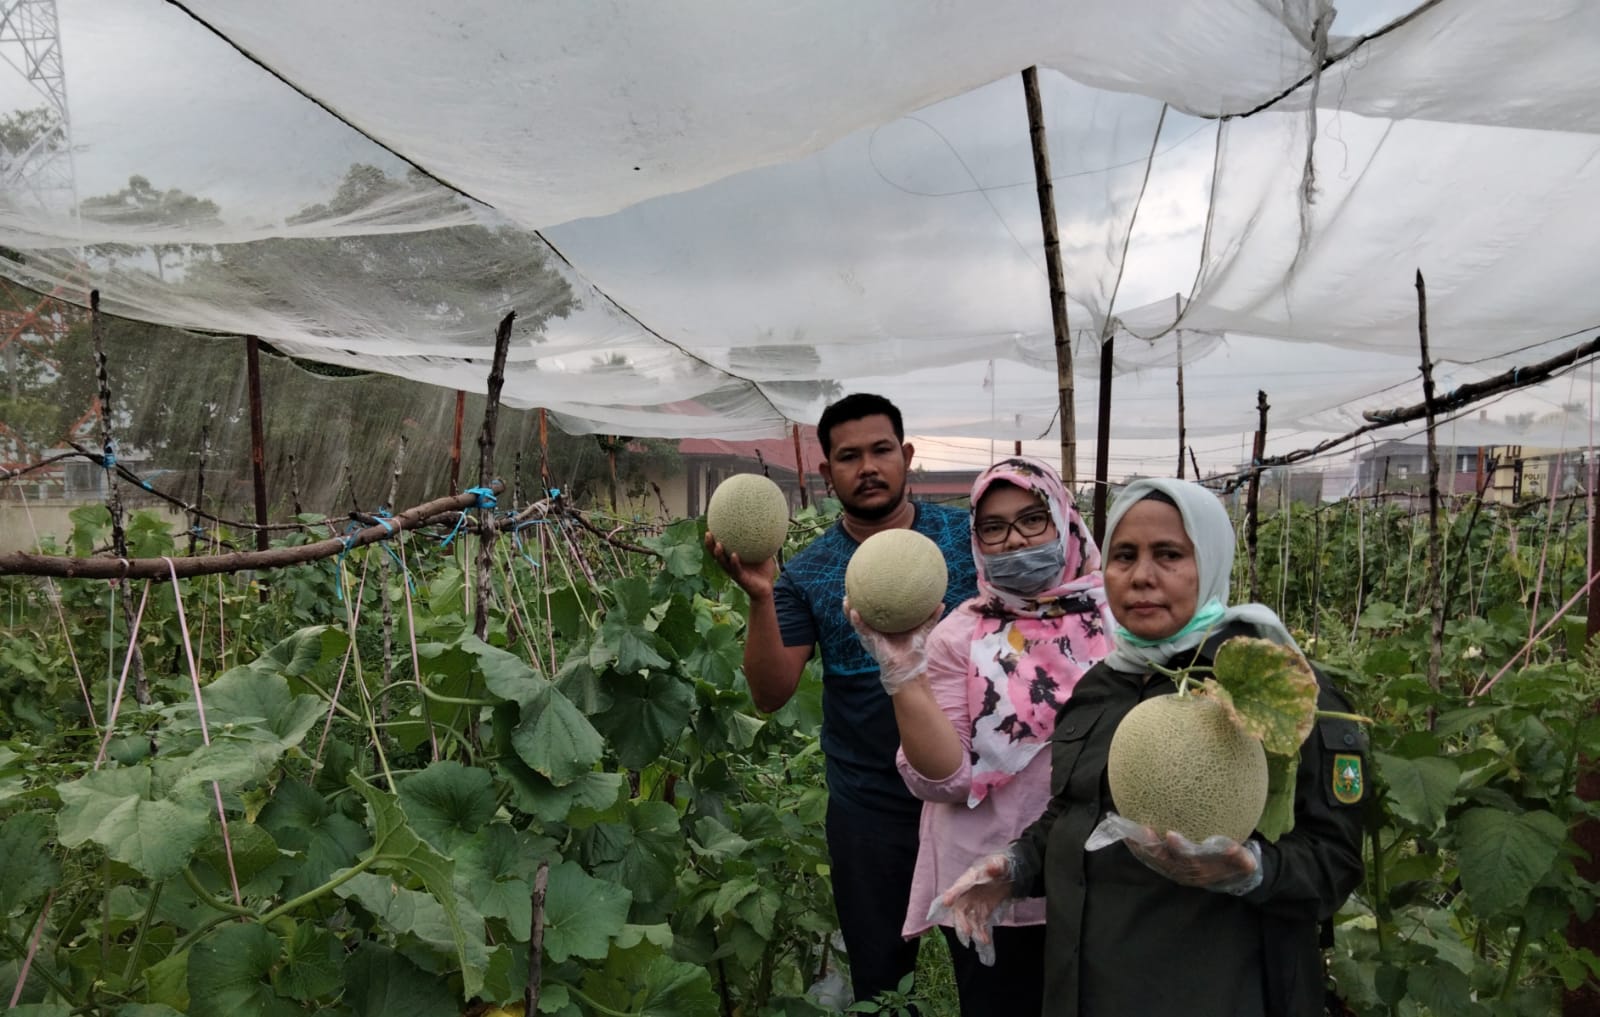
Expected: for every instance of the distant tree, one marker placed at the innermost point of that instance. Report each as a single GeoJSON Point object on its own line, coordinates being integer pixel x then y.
{"type": "Point", "coordinates": [142, 204]}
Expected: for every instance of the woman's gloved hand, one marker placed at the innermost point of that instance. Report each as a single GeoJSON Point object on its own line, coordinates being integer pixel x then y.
{"type": "Point", "coordinates": [977, 901]}
{"type": "Point", "coordinates": [1217, 864]}
{"type": "Point", "coordinates": [902, 656]}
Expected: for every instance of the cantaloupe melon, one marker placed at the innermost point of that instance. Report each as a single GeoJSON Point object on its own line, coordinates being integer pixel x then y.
{"type": "Point", "coordinates": [895, 580]}
{"type": "Point", "coordinates": [1178, 763]}
{"type": "Point", "coordinates": [749, 516]}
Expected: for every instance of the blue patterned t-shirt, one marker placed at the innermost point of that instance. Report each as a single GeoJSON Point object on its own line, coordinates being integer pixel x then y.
{"type": "Point", "coordinates": [859, 734]}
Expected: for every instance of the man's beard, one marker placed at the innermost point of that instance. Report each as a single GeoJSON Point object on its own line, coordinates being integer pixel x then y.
{"type": "Point", "coordinates": [873, 513]}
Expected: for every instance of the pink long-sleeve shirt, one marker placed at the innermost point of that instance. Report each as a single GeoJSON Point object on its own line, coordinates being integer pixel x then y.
{"type": "Point", "coordinates": [953, 836]}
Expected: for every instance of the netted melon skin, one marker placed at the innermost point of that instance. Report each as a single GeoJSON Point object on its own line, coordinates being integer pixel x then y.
{"type": "Point", "coordinates": [1177, 763]}
{"type": "Point", "coordinates": [749, 515]}
{"type": "Point", "coordinates": [895, 580]}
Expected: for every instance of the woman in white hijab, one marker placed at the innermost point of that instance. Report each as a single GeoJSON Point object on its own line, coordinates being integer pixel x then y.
{"type": "Point", "coordinates": [1150, 925]}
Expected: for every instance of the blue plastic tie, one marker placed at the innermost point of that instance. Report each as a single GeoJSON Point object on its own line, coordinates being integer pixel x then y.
{"type": "Point", "coordinates": [485, 499]}
{"type": "Point", "coordinates": [555, 492]}
{"type": "Point", "coordinates": [383, 516]}
{"type": "Point", "coordinates": [349, 541]}
{"type": "Point", "coordinates": [516, 540]}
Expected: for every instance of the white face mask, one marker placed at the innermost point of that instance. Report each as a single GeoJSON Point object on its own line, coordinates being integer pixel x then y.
{"type": "Point", "coordinates": [1028, 570]}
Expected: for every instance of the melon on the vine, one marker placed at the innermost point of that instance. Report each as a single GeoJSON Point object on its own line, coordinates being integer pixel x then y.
{"type": "Point", "coordinates": [1180, 763]}
{"type": "Point", "coordinates": [895, 580]}
{"type": "Point", "coordinates": [749, 515]}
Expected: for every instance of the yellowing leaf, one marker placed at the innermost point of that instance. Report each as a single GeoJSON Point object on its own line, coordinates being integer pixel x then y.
{"type": "Point", "coordinates": [1270, 692]}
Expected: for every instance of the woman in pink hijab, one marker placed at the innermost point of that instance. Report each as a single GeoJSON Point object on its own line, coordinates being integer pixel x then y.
{"type": "Point", "coordinates": [975, 696]}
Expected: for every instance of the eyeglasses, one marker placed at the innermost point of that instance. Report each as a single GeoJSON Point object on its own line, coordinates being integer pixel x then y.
{"type": "Point", "coordinates": [992, 532]}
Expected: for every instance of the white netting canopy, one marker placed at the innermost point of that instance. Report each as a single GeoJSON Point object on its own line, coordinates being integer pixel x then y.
{"type": "Point", "coordinates": [712, 218]}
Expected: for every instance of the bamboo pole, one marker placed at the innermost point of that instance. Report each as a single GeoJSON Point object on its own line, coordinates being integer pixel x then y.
{"type": "Point", "coordinates": [22, 563]}
{"type": "Point", "coordinates": [199, 485]}
{"type": "Point", "coordinates": [1102, 439]}
{"type": "Point", "coordinates": [258, 453]}
{"type": "Point", "coordinates": [1252, 503]}
{"type": "Point", "coordinates": [455, 442]}
{"type": "Point", "coordinates": [119, 535]}
{"type": "Point", "coordinates": [1183, 439]}
{"type": "Point", "coordinates": [1435, 582]}
{"type": "Point", "coordinates": [486, 440]}
{"type": "Point", "coordinates": [800, 467]}
{"type": "Point", "coordinates": [1058, 287]}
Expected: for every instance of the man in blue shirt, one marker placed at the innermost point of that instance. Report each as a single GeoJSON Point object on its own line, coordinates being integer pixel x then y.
{"type": "Point", "coordinates": [872, 818]}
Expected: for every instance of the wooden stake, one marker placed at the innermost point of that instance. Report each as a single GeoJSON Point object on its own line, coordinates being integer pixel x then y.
{"type": "Point", "coordinates": [1058, 286]}
{"type": "Point", "coordinates": [486, 439]}
{"type": "Point", "coordinates": [258, 455]}
{"type": "Point", "coordinates": [199, 486]}
{"type": "Point", "coordinates": [530, 994]}
{"type": "Point", "coordinates": [1102, 441]}
{"type": "Point", "coordinates": [1435, 547]}
{"type": "Point", "coordinates": [455, 443]}
{"type": "Point", "coordinates": [544, 454]}
{"type": "Point", "coordinates": [383, 600]}
{"type": "Point", "coordinates": [119, 536]}
{"type": "Point", "coordinates": [1183, 439]}
{"type": "Point", "coordinates": [800, 467]}
{"type": "Point", "coordinates": [1253, 497]}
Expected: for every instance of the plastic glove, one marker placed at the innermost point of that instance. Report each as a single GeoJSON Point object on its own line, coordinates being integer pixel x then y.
{"type": "Point", "coordinates": [1218, 864]}
{"type": "Point", "coordinates": [902, 656]}
{"type": "Point", "coordinates": [977, 901]}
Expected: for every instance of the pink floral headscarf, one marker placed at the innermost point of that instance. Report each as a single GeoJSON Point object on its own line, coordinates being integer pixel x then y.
{"type": "Point", "coordinates": [1029, 652]}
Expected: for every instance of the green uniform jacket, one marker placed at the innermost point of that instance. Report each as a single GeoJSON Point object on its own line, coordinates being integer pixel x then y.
{"type": "Point", "coordinates": [1123, 940]}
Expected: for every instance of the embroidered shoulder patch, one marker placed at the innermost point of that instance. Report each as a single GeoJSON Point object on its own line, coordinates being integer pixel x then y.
{"type": "Point", "coordinates": [1349, 783]}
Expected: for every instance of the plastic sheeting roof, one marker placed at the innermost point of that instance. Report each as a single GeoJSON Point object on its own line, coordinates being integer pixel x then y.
{"type": "Point", "coordinates": [712, 218]}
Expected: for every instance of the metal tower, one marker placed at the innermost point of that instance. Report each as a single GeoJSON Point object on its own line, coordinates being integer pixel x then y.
{"type": "Point", "coordinates": [36, 165]}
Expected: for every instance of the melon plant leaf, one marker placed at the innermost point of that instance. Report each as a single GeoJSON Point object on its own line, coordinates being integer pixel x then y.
{"type": "Point", "coordinates": [682, 553]}
{"type": "Point", "coordinates": [632, 935]}
{"type": "Point", "coordinates": [1419, 790]}
{"type": "Point", "coordinates": [301, 821]}
{"type": "Point", "coordinates": [717, 657]}
{"type": "Point", "coordinates": [715, 841]}
{"type": "Point", "coordinates": [447, 802]}
{"type": "Point", "coordinates": [581, 683]}
{"type": "Point", "coordinates": [495, 871]}
{"type": "Point", "coordinates": [311, 963]}
{"type": "Point", "coordinates": [145, 1010]}
{"type": "Point", "coordinates": [1277, 818]}
{"type": "Point", "coordinates": [633, 649]}
{"type": "Point", "coordinates": [40, 1010]}
{"type": "Point", "coordinates": [1503, 855]}
{"type": "Point", "coordinates": [255, 857]}
{"type": "Point", "coordinates": [397, 847]}
{"type": "Point", "coordinates": [644, 980]}
{"type": "Point", "coordinates": [228, 974]}
{"type": "Point", "coordinates": [167, 981]}
{"type": "Point", "coordinates": [640, 853]}
{"type": "Point", "coordinates": [27, 868]}
{"type": "Point", "coordinates": [555, 739]}
{"type": "Point", "coordinates": [552, 736]}
{"type": "Point", "coordinates": [155, 837]}
{"type": "Point", "coordinates": [1273, 692]}
{"type": "Point", "coordinates": [381, 983]}
{"type": "Point", "coordinates": [647, 712]}
{"type": "Point", "coordinates": [594, 791]}
{"type": "Point", "coordinates": [634, 601]}
{"type": "Point", "coordinates": [246, 697]}
{"type": "Point", "coordinates": [582, 914]}
{"type": "Point", "coordinates": [678, 628]}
